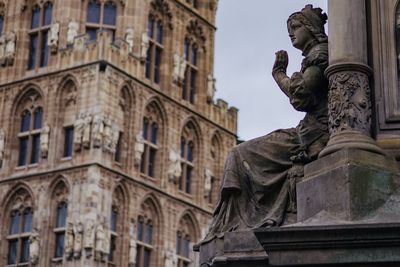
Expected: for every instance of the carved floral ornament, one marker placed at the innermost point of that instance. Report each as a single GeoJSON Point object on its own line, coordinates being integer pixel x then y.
{"type": "Point", "coordinates": [161, 9]}
{"type": "Point", "coordinates": [196, 32]}
{"type": "Point", "coordinates": [29, 3]}
{"type": "Point", "coordinates": [61, 193]}
{"type": "Point", "coordinates": [21, 200]}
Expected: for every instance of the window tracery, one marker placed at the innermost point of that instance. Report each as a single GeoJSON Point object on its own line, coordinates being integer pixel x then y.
{"type": "Point", "coordinates": [116, 226]}
{"type": "Point", "coordinates": [188, 157]}
{"type": "Point", "coordinates": [60, 210]}
{"type": "Point", "coordinates": [101, 15]}
{"type": "Point", "coordinates": [185, 237]}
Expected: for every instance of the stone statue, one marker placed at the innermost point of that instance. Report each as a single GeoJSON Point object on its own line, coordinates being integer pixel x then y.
{"type": "Point", "coordinates": [176, 68]}
{"type": "Point", "coordinates": [79, 126]}
{"type": "Point", "coordinates": [107, 135]}
{"type": "Point", "coordinates": [72, 32]}
{"type": "Point", "coordinates": [34, 247]}
{"type": "Point", "coordinates": [3, 42]}
{"type": "Point", "coordinates": [11, 39]}
{"type": "Point", "coordinates": [87, 123]}
{"type": "Point", "coordinates": [174, 165]}
{"type": "Point", "coordinates": [211, 88]}
{"type": "Point", "coordinates": [132, 252]}
{"type": "Point", "coordinates": [78, 242]}
{"type": "Point", "coordinates": [52, 40]}
{"type": "Point", "coordinates": [2, 146]}
{"type": "Point", "coordinates": [208, 176]}
{"type": "Point", "coordinates": [97, 130]}
{"type": "Point", "coordinates": [129, 38]}
{"type": "Point", "coordinates": [182, 68]}
{"type": "Point", "coordinates": [139, 148]}
{"type": "Point", "coordinates": [144, 45]}
{"type": "Point", "coordinates": [102, 246]}
{"type": "Point", "coordinates": [255, 189]}
{"type": "Point", "coordinates": [171, 259]}
{"type": "Point", "coordinates": [44, 141]}
{"type": "Point", "coordinates": [89, 238]}
{"type": "Point", "coordinates": [114, 138]}
{"type": "Point", "coordinates": [69, 241]}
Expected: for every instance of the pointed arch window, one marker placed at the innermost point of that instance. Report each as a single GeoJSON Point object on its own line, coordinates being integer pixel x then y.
{"type": "Point", "coordinates": [41, 20]}
{"type": "Point", "coordinates": [190, 80]}
{"type": "Point", "coordinates": [20, 222]}
{"type": "Point", "coordinates": [184, 239]}
{"type": "Point", "coordinates": [188, 156]}
{"type": "Point", "coordinates": [155, 31]}
{"type": "Point", "coordinates": [145, 241]}
{"type": "Point", "coordinates": [113, 233]}
{"type": "Point", "coordinates": [60, 228]}
{"type": "Point", "coordinates": [101, 16]}
{"type": "Point", "coordinates": [1, 24]}
{"type": "Point", "coordinates": [29, 136]}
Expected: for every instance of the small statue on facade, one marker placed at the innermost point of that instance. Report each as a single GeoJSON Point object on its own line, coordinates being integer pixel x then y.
{"type": "Point", "coordinates": [34, 247]}
{"type": "Point", "coordinates": [145, 44]}
{"type": "Point", "coordinates": [78, 242]}
{"type": "Point", "coordinates": [3, 42]}
{"type": "Point", "coordinates": [266, 168]}
{"type": "Point", "coordinates": [44, 141]}
{"type": "Point", "coordinates": [176, 67]}
{"type": "Point", "coordinates": [114, 138]}
{"type": "Point", "coordinates": [97, 130]}
{"type": "Point", "coordinates": [174, 165]}
{"type": "Point", "coordinates": [89, 238]}
{"type": "Point", "coordinates": [208, 176]}
{"type": "Point", "coordinates": [170, 257]}
{"type": "Point", "coordinates": [102, 245]}
{"type": "Point", "coordinates": [129, 38]}
{"type": "Point", "coordinates": [79, 126]}
{"type": "Point", "coordinates": [69, 241]}
{"type": "Point", "coordinates": [86, 130]}
{"type": "Point", "coordinates": [72, 32]}
{"type": "Point", "coordinates": [139, 148]}
{"type": "Point", "coordinates": [132, 252]}
{"type": "Point", "coordinates": [107, 135]}
{"type": "Point", "coordinates": [11, 39]}
{"type": "Point", "coordinates": [2, 146]}
{"type": "Point", "coordinates": [182, 68]}
{"type": "Point", "coordinates": [211, 89]}
{"type": "Point", "coordinates": [52, 40]}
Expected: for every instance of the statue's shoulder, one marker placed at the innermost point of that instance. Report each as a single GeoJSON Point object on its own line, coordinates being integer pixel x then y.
{"type": "Point", "coordinates": [318, 56]}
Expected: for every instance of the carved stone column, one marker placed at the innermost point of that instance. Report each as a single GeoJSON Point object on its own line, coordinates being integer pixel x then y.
{"type": "Point", "coordinates": [348, 74]}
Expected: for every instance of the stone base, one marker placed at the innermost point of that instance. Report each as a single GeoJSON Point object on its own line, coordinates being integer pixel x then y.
{"type": "Point", "coordinates": [234, 249]}
{"type": "Point", "coordinates": [354, 245]}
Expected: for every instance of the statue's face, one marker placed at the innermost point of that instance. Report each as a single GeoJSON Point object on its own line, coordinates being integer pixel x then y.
{"type": "Point", "coordinates": [299, 34]}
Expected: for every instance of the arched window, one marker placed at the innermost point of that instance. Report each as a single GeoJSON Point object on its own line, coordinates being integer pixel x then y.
{"type": "Point", "coordinates": [20, 221]}
{"type": "Point", "coordinates": [189, 82]}
{"type": "Point", "coordinates": [188, 154]}
{"type": "Point", "coordinates": [116, 227]}
{"type": "Point", "coordinates": [151, 135]}
{"type": "Point", "coordinates": [1, 24]}
{"type": "Point", "coordinates": [29, 136]}
{"type": "Point", "coordinates": [40, 25]}
{"type": "Point", "coordinates": [101, 16]}
{"type": "Point", "coordinates": [155, 32]}
{"type": "Point", "coordinates": [185, 237]}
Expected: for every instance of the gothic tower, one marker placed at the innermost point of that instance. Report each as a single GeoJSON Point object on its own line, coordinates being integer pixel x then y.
{"type": "Point", "coordinates": [111, 143]}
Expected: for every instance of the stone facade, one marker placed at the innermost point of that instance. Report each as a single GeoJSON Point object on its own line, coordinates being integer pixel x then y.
{"type": "Point", "coordinates": [104, 173]}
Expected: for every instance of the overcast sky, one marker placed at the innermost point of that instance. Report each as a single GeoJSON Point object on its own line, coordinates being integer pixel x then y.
{"type": "Point", "coordinates": [249, 33]}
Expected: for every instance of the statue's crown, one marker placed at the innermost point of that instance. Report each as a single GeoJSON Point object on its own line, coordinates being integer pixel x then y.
{"type": "Point", "coordinates": [315, 15]}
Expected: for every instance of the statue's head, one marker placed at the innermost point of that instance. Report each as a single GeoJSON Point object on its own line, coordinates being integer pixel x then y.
{"type": "Point", "coordinates": [307, 27]}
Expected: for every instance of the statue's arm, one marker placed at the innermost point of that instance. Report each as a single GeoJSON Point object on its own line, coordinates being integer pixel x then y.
{"type": "Point", "coordinates": [279, 71]}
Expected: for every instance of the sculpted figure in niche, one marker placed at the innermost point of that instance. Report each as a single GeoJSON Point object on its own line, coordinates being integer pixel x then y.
{"type": "Point", "coordinates": [79, 126]}
{"type": "Point", "coordinates": [174, 167]}
{"type": "Point", "coordinates": [69, 241]}
{"type": "Point", "coordinates": [87, 123]}
{"type": "Point", "coordinates": [182, 68]}
{"type": "Point", "coordinates": [144, 45]}
{"type": "Point", "coordinates": [2, 146]}
{"type": "Point", "coordinates": [10, 48]}
{"type": "Point", "coordinates": [89, 238]}
{"type": "Point", "coordinates": [72, 32]}
{"type": "Point", "coordinates": [211, 88]}
{"type": "Point", "coordinates": [44, 140]}
{"type": "Point", "coordinates": [52, 40]}
{"type": "Point", "coordinates": [3, 42]}
{"type": "Point", "coordinates": [207, 182]}
{"type": "Point", "coordinates": [132, 252]}
{"type": "Point", "coordinates": [34, 247]}
{"type": "Point", "coordinates": [139, 148]}
{"type": "Point", "coordinates": [97, 130]}
{"type": "Point", "coordinates": [78, 242]}
{"type": "Point", "coordinates": [114, 138]}
{"type": "Point", "coordinates": [129, 38]}
{"type": "Point", "coordinates": [176, 68]}
{"type": "Point", "coordinates": [171, 259]}
{"type": "Point", "coordinates": [107, 135]}
{"type": "Point", "coordinates": [256, 183]}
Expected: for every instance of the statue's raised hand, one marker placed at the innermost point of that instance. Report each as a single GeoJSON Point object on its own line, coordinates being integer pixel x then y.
{"type": "Point", "coordinates": [281, 61]}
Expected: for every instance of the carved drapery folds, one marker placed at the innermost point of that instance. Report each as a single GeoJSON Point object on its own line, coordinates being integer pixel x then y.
{"type": "Point", "coordinates": [349, 102]}
{"type": "Point", "coordinates": [7, 48]}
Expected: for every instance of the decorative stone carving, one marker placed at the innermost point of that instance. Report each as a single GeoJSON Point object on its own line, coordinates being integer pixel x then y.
{"type": "Point", "coordinates": [11, 39]}
{"type": "Point", "coordinates": [69, 241]}
{"type": "Point", "coordinates": [129, 38]}
{"type": "Point", "coordinates": [44, 141]}
{"type": "Point", "coordinates": [182, 68]}
{"type": "Point", "coordinates": [34, 247]}
{"type": "Point", "coordinates": [89, 238]}
{"type": "Point", "coordinates": [52, 40]}
{"type": "Point", "coordinates": [349, 102]}
{"type": "Point", "coordinates": [139, 148]}
{"type": "Point", "coordinates": [79, 126]}
{"type": "Point", "coordinates": [102, 245]}
{"type": "Point", "coordinates": [2, 146]}
{"type": "Point", "coordinates": [114, 138]}
{"type": "Point", "coordinates": [78, 242]}
{"type": "Point", "coordinates": [208, 176]}
{"type": "Point", "coordinates": [171, 259]}
{"type": "Point", "coordinates": [174, 165]}
{"type": "Point", "coordinates": [161, 8]}
{"type": "Point", "coordinates": [211, 88]}
{"type": "Point", "coordinates": [107, 134]}
{"type": "Point", "coordinates": [86, 130]}
{"type": "Point", "coordinates": [3, 42]}
{"type": "Point", "coordinates": [72, 32]}
{"type": "Point", "coordinates": [176, 67]}
{"type": "Point", "coordinates": [145, 44]}
{"type": "Point", "coordinates": [132, 252]}
{"type": "Point", "coordinates": [97, 130]}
